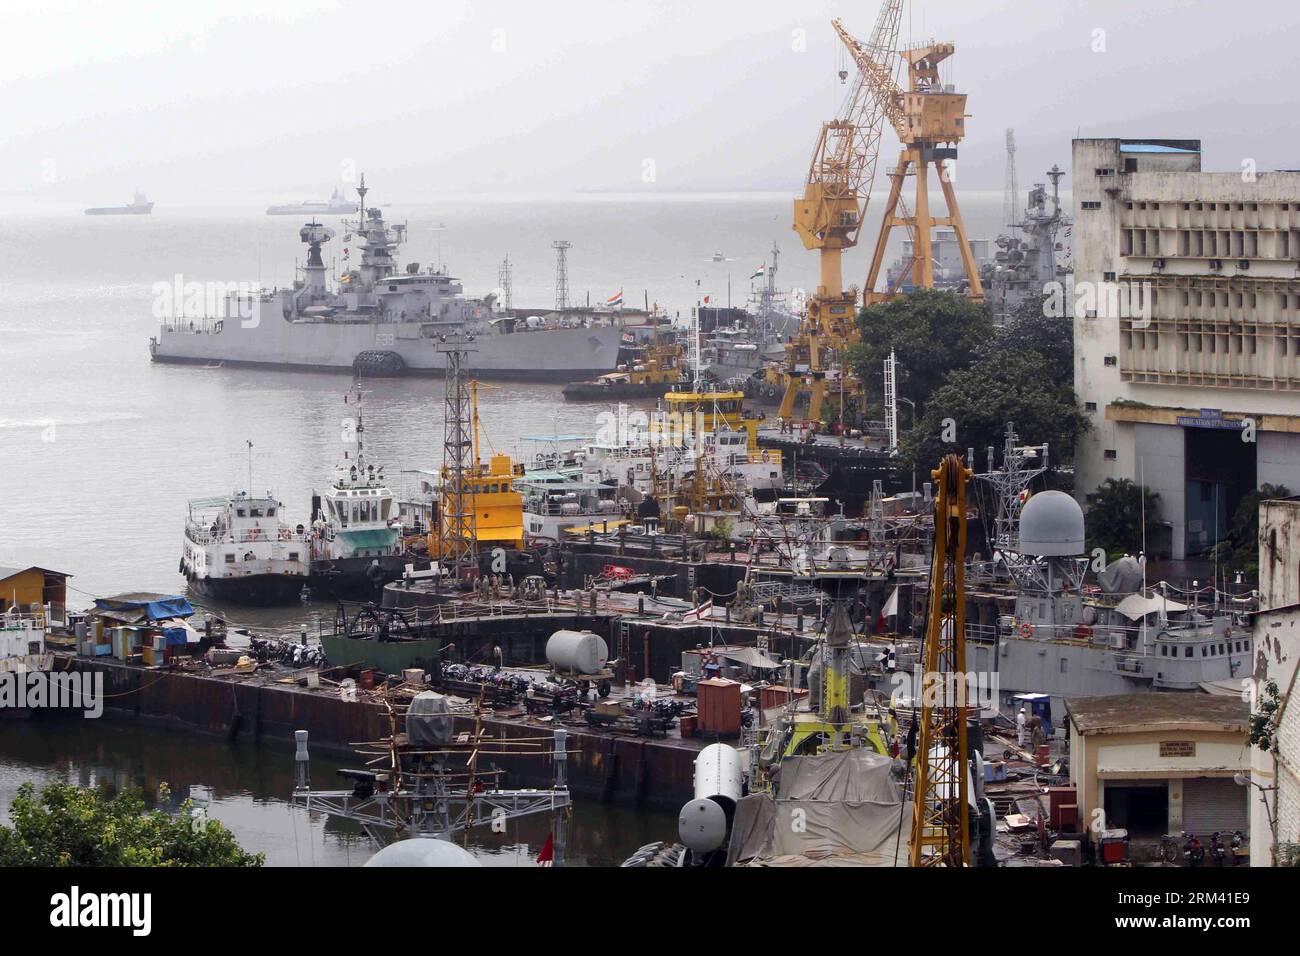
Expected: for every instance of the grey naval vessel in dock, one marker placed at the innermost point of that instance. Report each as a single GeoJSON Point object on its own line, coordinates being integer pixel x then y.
{"type": "Point", "coordinates": [379, 320]}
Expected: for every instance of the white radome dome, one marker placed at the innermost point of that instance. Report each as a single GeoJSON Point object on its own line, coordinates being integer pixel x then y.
{"type": "Point", "coordinates": [1051, 525]}
{"type": "Point", "coordinates": [422, 851]}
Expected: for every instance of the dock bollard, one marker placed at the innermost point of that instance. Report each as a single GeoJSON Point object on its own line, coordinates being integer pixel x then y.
{"type": "Point", "coordinates": [300, 760]}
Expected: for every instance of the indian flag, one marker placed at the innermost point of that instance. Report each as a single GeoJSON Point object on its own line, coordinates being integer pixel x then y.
{"type": "Point", "coordinates": [760, 272]}
{"type": "Point", "coordinates": [615, 301]}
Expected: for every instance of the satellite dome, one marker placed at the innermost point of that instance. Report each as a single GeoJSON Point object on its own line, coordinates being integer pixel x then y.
{"type": "Point", "coordinates": [422, 851]}
{"type": "Point", "coordinates": [1051, 524]}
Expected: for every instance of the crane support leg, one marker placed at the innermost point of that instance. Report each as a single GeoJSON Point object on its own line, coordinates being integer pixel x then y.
{"type": "Point", "coordinates": [886, 224]}
{"type": "Point", "coordinates": [967, 257]}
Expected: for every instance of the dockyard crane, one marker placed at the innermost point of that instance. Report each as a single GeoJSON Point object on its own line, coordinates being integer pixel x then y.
{"type": "Point", "coordinates": [941, 807]}
{"type": "Point", "coordinates": [930, 119]}
{"type": "Point", "coordinates": [830, 213]}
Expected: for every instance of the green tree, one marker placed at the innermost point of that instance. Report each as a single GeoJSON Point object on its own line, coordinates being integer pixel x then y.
{"type": "Point", "coordinates": [1030, 327]}
{"type": "Point", "coordinates": [1114, 519]}
{"type": "Point", "coordinates": [73, 826]}
{"type": "Point", "coordinates": [1010, 385]}
{"type": "Point", "coordinates": [933, 334]}
{"type": "Point", "coordinates": [1239, 549]}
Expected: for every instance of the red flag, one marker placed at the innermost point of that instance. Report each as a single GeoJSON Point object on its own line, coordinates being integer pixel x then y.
{"type": "Point", "coordinates": [547, 856]}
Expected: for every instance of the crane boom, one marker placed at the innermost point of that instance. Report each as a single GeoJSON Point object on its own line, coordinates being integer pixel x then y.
{"type": "Point", "coordinates": [941, 809]}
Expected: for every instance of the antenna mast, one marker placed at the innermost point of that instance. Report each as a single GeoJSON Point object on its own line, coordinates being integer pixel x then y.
{"type": "Point", "coordinates": [507, 298]}
{"type": "Point", "coordinates": [561, 247]}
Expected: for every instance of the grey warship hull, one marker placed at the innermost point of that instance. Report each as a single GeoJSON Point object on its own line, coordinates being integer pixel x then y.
{"type": "Point", "coordinates": [538, 355]}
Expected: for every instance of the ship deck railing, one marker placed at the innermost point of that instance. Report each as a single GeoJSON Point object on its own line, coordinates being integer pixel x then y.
{"type": "Point", "coordinates": [204, 536]}
{"type": "Point", "coordinates": [30, 620]}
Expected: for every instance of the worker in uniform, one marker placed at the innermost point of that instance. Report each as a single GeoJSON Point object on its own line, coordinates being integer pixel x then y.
{"type": "Point", "coordinates": [1021, 720]}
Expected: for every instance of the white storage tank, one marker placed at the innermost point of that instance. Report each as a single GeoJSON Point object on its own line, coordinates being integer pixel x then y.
{"type": "Point", "coordinates": [580, 652]}
{"type": "Point", "coordinates": [719, 776]}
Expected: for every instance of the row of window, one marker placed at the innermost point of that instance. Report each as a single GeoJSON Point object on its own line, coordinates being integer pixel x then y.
{"type": "Point", "coordinates": [1234, 647]}
{"type": "Point", "coordinates": [250, 556]}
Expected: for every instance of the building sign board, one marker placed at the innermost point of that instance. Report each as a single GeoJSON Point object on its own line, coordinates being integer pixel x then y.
{"type": "Point", "coordinates": [1210, 418]}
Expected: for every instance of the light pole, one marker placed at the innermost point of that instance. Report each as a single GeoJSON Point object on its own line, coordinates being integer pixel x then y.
{"type": "Point", "coordinates": [1244, 780]}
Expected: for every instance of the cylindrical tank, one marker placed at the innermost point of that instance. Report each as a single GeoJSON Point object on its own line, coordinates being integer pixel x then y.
{"type": "Point", "coordinates": [718, 776]}
{"type": "Point", "coordinates": [702, 826]}
{"type": "Point", "coordinates": [580, 652]}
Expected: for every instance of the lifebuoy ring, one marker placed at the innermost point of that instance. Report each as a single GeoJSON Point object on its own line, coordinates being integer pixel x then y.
{"type": "Point", "coordinates": [1026, 630]}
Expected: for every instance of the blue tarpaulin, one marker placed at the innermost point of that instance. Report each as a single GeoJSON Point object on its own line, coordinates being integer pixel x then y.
{"type": "Point", "coordinates": [159, 608]}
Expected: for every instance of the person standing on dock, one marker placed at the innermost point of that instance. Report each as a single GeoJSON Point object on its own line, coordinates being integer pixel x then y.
{"type": "Point", "coordinates": [1021, 721]}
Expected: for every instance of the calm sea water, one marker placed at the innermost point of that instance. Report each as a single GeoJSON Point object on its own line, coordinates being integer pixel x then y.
{"type": "Point", "coordinates": [247, 789]}
{"type": "Point", "coordinates": [102, 449]}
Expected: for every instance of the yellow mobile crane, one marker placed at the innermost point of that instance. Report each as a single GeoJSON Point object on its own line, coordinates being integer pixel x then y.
{"type": "Point", "coordinates": [941, 807]}
{"type": "Point", "coordinates": [829, 214]}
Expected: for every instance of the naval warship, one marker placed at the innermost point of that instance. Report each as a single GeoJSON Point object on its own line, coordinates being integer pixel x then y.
{"type": "Point", "coordinates": [336, 205]}
{"type": "Point", "coordinates": [139, 206]}
{"type": "Point", "coordinates": [379, 320]}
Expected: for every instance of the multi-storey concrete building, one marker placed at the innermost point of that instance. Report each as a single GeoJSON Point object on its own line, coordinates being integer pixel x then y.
{"type": "Point", "coordinates": [1186, 329]}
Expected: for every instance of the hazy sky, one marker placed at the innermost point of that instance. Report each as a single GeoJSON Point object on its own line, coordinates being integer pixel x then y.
{"type": "Point", "coordinates": [199, 101]}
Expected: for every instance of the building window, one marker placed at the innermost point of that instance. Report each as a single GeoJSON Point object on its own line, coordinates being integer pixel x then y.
{"type": "Point", "coordinates": [1105, 171]}
{"type": "Point", "coordinates": [1111, 454]}
{"type": "Point", "coordinates": [1108, 276]}
{"type": "Point", "coordinates": [1111, 361]}
{"type": "Point", "coordinates": [1187, 651]}
{"type": "Point", "coordinates": [1090, 204]}
{"type": "Point", "coordinates": [1090, 406]}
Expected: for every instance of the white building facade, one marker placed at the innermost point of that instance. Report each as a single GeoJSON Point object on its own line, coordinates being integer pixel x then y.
{"type": "Point", "coordinates": [1186, 329]}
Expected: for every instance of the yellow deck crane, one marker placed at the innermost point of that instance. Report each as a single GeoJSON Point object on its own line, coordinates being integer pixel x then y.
{"type": "Point", "coordinates": [941, 807]}
{"type": "Point", "coordinates": [930, 119]}
{"type": "Point", "coordinates": [830, 213]}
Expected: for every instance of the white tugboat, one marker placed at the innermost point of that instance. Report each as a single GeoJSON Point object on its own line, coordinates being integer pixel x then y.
{"type": "Point", "coordinates": [356, 535]}
{"type": "Point", "coordinates": [22, 640]}
{"type": "Point", "coordinates": [239, 549]}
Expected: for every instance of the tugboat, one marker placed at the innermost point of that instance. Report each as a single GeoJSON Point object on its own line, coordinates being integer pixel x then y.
{"type": "Point", "coordinates": [238, 550]}
{"type": "Point", "coordinates": [650, 373]}
{"type": "Point", "coordinates": [356, 534]}
{"type": "Point", "coordinates": [139, 206]}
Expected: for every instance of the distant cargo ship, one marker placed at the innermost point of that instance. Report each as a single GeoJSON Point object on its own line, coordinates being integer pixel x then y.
{"type": "Point", "coordinates": [336, 205]}
{"type": "Point", "coordinates": [380, 320]}
{"type": "Point", "coordinates": [140, 206]}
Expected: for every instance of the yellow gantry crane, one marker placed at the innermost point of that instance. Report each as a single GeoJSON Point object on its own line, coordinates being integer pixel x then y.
{"type": "Point", "coordinates": [930, 119]}
{"type": "Point", "coordinates": [941, 808]}
{"type": "Point", "coordinates": [830, 213]}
